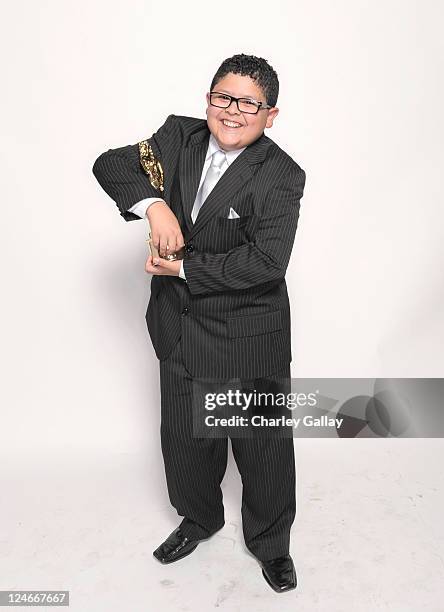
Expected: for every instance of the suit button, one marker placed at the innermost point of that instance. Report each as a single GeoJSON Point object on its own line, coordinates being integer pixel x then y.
{"type": "Point", "coordinates": [184, 311]}
{"type": "Point", "coordinates": [189, 248]}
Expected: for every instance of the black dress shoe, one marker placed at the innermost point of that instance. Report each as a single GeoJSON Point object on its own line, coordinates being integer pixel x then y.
{"type": "Point", "coordinates": [175, 547]}
{"type": "Point", "coordinates": [280, 573]}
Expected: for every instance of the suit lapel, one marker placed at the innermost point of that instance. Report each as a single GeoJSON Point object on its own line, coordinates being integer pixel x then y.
{"type": "Point", "coordinates": [190, 171]}
{"type": "Point", "coordinates": [238, 173]}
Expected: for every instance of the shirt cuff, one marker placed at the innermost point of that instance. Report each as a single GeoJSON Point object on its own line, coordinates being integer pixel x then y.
{"type": "Point", "coordinates": [181, 272]}
{"type": "Point", "coordinates": [141, 207]}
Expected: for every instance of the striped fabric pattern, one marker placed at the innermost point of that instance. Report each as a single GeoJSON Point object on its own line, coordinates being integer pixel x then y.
{"type": "Point", "coordinates": [233, 313]}
{"type": "Point", "coordinates": [195, 468]}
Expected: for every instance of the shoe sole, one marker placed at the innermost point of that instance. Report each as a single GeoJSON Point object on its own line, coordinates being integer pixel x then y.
{"type": "Point", "coordinates": [276, 589]}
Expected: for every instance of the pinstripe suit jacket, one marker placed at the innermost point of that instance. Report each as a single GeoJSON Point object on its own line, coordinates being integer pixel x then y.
{"type": "Point", "coordinates": [233, 312]}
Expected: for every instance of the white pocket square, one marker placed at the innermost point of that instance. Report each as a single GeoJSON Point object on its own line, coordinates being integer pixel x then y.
{"type": "Point", "coordinates": [232, 214]}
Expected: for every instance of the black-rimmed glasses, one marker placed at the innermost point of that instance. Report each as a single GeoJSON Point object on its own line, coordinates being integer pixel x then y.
{"type": "Point", "coordinates": [244, 105]}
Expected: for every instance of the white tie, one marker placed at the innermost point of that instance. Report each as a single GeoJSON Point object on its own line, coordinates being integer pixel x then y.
{"type": "Point", "coordinates": [213, 174]}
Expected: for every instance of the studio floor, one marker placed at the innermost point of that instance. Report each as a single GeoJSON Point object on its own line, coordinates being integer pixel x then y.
{"type": "Point", "coordinates": [368, 533]}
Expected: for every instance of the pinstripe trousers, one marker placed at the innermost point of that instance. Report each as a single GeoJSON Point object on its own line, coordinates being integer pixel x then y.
{"type": "Point", "coordinates": [195, 467]}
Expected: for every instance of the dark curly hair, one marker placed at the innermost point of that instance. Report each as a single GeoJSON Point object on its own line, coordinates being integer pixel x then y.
{"type": "Point", "coordinates": [256, 68]}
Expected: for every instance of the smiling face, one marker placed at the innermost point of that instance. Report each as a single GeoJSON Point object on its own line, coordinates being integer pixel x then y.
{"type": "Point", "coordinates": [250, 127]}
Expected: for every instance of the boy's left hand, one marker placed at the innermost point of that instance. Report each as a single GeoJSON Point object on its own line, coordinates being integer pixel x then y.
{"type": "Point", "coordinates": [163, 267]}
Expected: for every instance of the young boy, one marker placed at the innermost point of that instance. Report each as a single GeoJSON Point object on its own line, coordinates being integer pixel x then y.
{"type": "Point", "coordinates": [230, 196]}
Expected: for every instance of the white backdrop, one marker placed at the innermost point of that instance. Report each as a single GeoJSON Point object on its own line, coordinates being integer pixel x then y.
{"type": "Point", "coordinates": [361, 98]}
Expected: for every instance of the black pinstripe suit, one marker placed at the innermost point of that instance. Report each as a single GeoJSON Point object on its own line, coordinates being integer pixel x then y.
{"type": "Point", "coordinates": [232, 316]}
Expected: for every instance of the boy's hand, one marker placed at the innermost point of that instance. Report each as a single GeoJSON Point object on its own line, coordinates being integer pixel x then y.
{"type": "Point", "coordinates": [162, 267]}
{"type": "Point", "coordinates": [165, 229]}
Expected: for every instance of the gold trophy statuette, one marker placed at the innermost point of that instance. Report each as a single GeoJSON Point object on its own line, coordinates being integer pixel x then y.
{"type": "Point", "coordinates": [151, 165]}
{"type": "Point", "coordinates": [153, 168]}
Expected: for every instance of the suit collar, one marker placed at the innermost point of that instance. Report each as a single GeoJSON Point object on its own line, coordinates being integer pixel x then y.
{"type": "Point", "coordinates": [214, 146]}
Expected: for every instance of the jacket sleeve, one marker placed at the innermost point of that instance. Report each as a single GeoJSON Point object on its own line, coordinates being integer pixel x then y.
{"type": "Point", "coordinates": [121, 175]}
{"type": "Point", "coordinates": [264, 260]}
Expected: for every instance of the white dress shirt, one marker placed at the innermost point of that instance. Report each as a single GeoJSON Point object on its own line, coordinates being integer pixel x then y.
{"type": "Point", "coordinates": [141, 207]}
